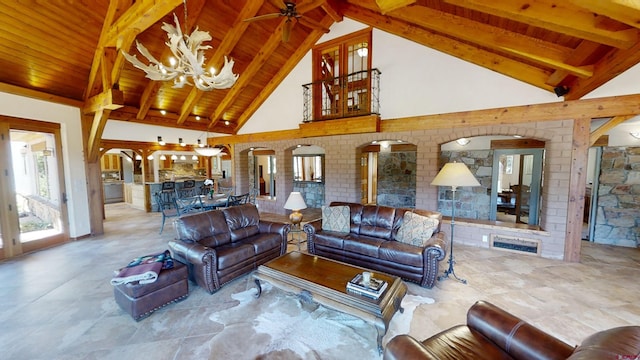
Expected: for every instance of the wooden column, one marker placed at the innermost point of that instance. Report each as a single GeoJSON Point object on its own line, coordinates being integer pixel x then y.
{"type": "Point", "coordinates": [577, 187]}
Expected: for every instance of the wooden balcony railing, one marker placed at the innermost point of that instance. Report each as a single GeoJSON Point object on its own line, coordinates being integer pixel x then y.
{"type": "Point", "coordinates": [355, 94]}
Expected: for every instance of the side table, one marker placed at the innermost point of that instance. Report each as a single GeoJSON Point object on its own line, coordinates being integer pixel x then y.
{"type": "Point", "coordinates": [297, 235]}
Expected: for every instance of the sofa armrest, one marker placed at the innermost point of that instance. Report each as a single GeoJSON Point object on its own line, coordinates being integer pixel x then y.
{"type": "Point", "coordinates": [516, 337]}
{"type": "Point", "coordinates": [311, 229]}
{"type": "Point", "coordinates": [405, 347]}
{"type": "Point", "coordinates": [192, 252]}
{"type": "Point", "coordinates": [276, 227]}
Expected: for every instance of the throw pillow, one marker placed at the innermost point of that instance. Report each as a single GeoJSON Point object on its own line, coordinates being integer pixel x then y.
{"type": "Point", "coordinates": [336, 218]}
{"type": "Point", "coordinates": [416, 229]}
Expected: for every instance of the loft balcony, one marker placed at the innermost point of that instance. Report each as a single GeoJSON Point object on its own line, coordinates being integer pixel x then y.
{"type": "Point", "coordinates": [355, 94]}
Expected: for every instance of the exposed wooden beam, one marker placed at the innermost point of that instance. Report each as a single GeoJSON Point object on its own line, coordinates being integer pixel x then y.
{"type": "Point", "coordinates": [261, 57]}
{"type": "Point", "coordinates": [615, 63]}
{"type": "Point", "coordinates": [141, 15]}
{"type": "Point", "coordinates": [625, 11]}
{"type": "Point", "coordinates": [332, 9]}
{"type": "Point", "coordinates": [110, 100]}
{"type": "Point", "coordinates": [561, 17]}
{"type": "Point", "coordinates": [604, 128]}
{"type": "Point", "coordinates": [578, 57]}
{"type": "Point", "coordinates": [100, 118]}
{"type": "Point", "coordinates": [39, 95]}
{"type": "Point", "coordinates": [386, 6]}
{"type": "Point", "coordinates": [115, 10]}
{"type": "Point", "coordinates": [577, 181]}
{"type": "Point", "coordinates": [592, 108]}
{"type": "Point", "coordinates": [523, 46]}
{"type": "Point", "coordinates": [501, 64]}
{"type": "Point", "coordinates": [228, 43]}
{"type": "Point", "coordinates": [293, 60]}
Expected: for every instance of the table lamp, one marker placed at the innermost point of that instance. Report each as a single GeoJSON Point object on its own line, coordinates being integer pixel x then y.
{"type": "Point", "coordinates": [454, 174]}
{"type": "Point", "coordinates": [295, 203]}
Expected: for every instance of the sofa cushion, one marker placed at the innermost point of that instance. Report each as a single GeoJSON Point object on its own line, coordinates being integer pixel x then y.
{"type": "Point", "coordinates": [234, 253]}
{"type": "Point", "coordinates": [363, 245]}
{"type": "Point", "coordinates": [207, 228]}
{"type": "Point", "coordinates": [416, 229]}
{"type": "Point", "coordinates": [377, 221]}
{"type": "Point", "coordinates": [336, 218]}
{"type": "Point", "coordinates": [242, 220]}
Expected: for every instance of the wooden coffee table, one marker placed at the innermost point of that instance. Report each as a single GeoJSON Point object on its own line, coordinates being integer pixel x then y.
{"type": "Point", "coordinates": [324, 281]}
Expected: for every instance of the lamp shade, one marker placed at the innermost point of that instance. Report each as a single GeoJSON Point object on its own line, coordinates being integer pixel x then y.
{"type": "Point", "coordinates": [455, 174]}
{"type": "Point", "coordinates": [295, 202]}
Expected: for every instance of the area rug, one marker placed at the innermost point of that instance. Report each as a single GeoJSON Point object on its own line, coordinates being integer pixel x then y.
{"type": "Point", "coordinates": [280, 325]}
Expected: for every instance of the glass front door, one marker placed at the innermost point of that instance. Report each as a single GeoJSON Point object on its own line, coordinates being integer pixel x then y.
{"type": "Point", "coordinates": [36, 214]}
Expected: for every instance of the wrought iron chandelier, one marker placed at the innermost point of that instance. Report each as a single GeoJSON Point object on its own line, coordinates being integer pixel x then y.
{"type": "Point", "coordinates": [186, 64]}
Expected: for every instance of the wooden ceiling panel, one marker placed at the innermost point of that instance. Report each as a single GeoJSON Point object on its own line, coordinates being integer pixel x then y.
{"type": "Point", "coordinates": [51, 47]}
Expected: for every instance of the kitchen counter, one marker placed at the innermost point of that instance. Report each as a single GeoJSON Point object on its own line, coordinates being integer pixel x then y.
{"type": "Point", "coordinates": [113, 192]}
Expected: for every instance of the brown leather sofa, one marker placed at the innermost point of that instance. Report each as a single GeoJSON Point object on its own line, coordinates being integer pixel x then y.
{"type": "Point", "coordinates": [371, 243]}
{"type": "Point", "coordinates": [492, 333]}
{"type": "Point", "coordinates": [221, 245]}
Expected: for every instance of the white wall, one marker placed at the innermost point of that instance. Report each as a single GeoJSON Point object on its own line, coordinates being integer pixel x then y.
{"type": "Point", "coordinates": [72, 152]}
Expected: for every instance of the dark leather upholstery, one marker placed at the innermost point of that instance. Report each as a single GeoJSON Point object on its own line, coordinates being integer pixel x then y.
{"type": "Point", "coordinates": [371, 243]}
{"type": "Point", "coordinates": [492, 333]}
{"type": "Point", "coordinates": [220, 245]}
{"type": "Point", "coordinates": [142, 300]}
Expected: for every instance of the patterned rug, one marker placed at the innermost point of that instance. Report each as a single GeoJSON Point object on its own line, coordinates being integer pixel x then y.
{"type": "Point", "coordinates": [279, 325]}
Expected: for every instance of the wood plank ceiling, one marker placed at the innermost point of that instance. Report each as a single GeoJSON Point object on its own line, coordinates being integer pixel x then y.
{"type": "Point", "coordinates": [68, 51]}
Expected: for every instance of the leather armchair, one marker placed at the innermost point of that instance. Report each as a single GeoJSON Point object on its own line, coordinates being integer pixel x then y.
{"type": "Point", "coordinates": [492, 333]}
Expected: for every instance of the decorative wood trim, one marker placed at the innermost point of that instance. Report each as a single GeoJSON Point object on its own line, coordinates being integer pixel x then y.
{"type": "Point", "coordinates": [517, 144]}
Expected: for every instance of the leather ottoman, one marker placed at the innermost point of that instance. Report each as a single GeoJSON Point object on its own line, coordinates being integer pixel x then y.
{"type": "Point", "coordinates": [141, 301]}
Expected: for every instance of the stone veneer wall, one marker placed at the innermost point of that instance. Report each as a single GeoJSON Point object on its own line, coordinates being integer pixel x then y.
{"type": "Point", "coordinates": [397, 179]}
{"type": "Point", "coordinates": [618, 201]}
{"type": "Point", "coordinates": [471, 202]}
{"type": "Point", "coordinates": [313, 192]}
{"type": "Point", "coordinates": [342, 169]}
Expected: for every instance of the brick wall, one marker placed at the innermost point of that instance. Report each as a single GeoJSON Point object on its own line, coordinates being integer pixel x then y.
{"type": "Point", "coordinates": [342, 170]}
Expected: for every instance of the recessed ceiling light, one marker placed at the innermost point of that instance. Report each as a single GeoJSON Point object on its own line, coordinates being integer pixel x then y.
{"type": "Point", "coordinates": [517, 136]}
{"type": "Point", "coordinates": [163, 112]}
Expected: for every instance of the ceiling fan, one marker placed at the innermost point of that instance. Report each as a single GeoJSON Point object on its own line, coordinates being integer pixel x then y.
{"type": "Point", "coordinates": [292, 13]}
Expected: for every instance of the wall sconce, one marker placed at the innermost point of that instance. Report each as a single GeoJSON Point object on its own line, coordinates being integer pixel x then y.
{"type": "Point", "coordinates": [174, 157]}
{"type": "Point", "coordinates": [160, 141]}
{"type": "Point", "coordinates": [463, 141]}
{"type": "Point", "coordinates": [182, 157]}
{"type": "Point", "coordinates": [181, 142]}
{"type": "Point", "coordinates": [162, 157]}
{"type": "Point", "coordinates": [635, 134]}
{"type": "Point", "coordinates": [138, 157]}
{"type": "Point", "coordinates": [150, 157]}
{"type": "Point", "coordinates": [194, 158]}
{"type": "Point", "coordinates": [200, 144]}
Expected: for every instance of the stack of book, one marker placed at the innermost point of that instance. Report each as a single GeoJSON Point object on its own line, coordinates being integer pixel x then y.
{"type": "Point", "coordinates": [372, 290]}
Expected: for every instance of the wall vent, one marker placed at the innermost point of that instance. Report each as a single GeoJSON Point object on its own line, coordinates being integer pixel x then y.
{"type": "Point", "coordinates": [515, 244]}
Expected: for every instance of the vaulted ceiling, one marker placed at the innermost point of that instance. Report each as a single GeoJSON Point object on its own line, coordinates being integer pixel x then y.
{"type": "Point", "coordinates": [68, 51]}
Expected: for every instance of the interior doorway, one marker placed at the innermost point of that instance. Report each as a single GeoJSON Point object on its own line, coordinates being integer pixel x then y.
{"type": "Point", "coordinates": [516, 184]}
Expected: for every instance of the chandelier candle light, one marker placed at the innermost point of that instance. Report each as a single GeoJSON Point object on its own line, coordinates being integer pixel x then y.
{"type": "Point", "coordinates": [187, 61]}
{"type": "Point", "coordinates": [454, 174]}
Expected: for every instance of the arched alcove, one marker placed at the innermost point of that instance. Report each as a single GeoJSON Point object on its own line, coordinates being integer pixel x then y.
{"type": "Point", "coordinates": [388, 173]}
{"type": "Point", "coordinates": [308, 173]}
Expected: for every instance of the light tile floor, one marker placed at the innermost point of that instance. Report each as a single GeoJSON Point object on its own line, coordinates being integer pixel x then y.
{"type": "Point", "coordinates": [58, 303]}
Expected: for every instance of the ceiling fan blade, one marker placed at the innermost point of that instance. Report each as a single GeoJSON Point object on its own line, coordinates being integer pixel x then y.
{"type": "Point", "coordinates": [312, 24]}
{"type": "Point", "coordinates": [308, 5]}
{"type": "Point", "coordinates": [264, 17]}
{"type": "Point", "coordinates": [286, 30]}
